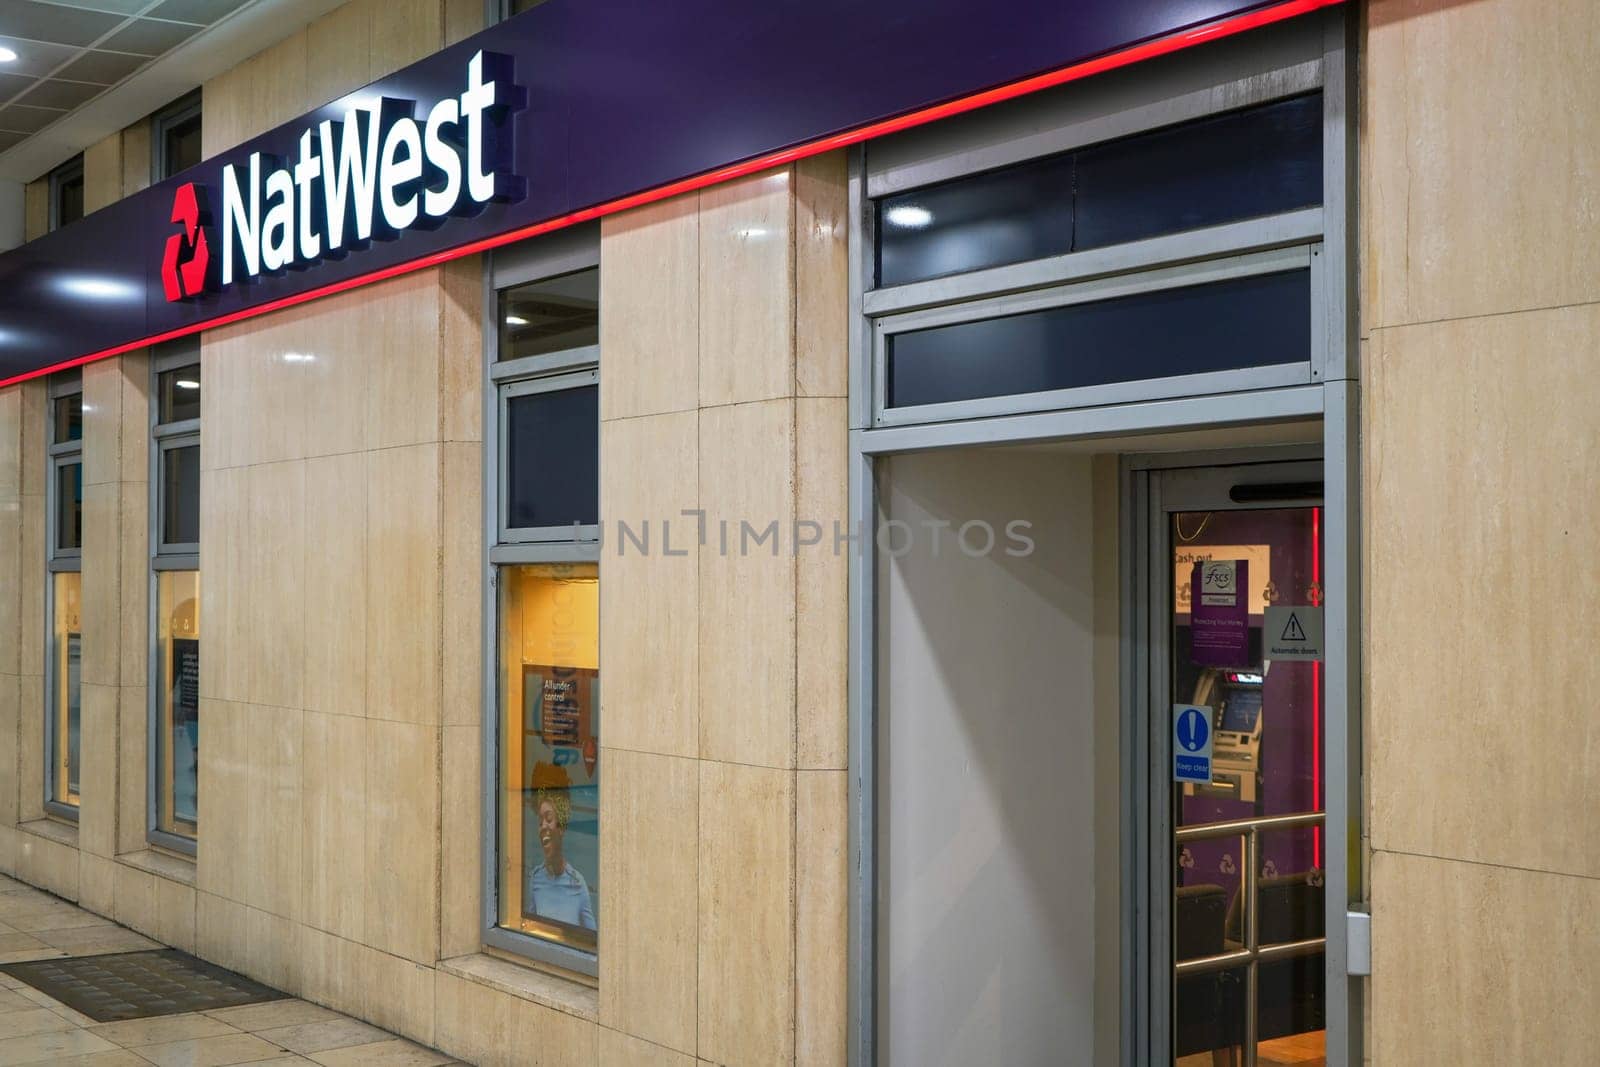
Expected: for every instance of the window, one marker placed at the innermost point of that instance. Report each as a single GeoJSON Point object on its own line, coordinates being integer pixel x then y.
{"type": "Point", "coordinates": [504, 9]}
{"type": "Point", "coordinates": [174, 743]}
{"type": "Point", "coordinates": [66, 193]}
{"type": "Point", "coordinates": [63, 596]}
{"type": "Point", "coordinates": [543, 606]}
{"type": "Point", "coordinates": [1245, 164]}
{"type": "Point", "coordinates": [1180, 259]}
{"type": "Point", "coordinates": [175, 138]}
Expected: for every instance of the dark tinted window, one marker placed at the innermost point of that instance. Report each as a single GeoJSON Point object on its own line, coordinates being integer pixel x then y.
{"type": "Point", "coordinates": [180, 520]}
{"type": "Point", "coordinates": [551, 315]}
{"type": "Point", "coordinates": [67, 418]}
{"type": "Point", "coordinates": [1237, 166]}
{"type": "Point", "coordinates": [1005, 216]}
{"type": "Point", "coordinates": [69, 198]}
{"type": "Point", "coordinates": [69, 505]}
{"type": "Point", "coordinates": [552, 458]}
{"type": "Point", "coordinates": [182, 147]}
{"type": "Point", "coordinates": [180, 394]}
{"type": "Point", "coordinates": [1244, 164]}
{"type": "Point", "coordinates": [1242, 322]}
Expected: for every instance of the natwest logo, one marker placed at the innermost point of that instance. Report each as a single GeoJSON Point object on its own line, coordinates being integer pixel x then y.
{"type": "Point", "coordinates": [375, 173]}
{"type": "Point", "coordinates": [187, 258]}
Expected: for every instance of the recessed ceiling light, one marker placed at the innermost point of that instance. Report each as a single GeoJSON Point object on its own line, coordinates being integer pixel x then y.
{"type": "Point", "coordinates": [910, 216]}
{"type": "Point", "coordinates": [7, 55]}
{"type": "Point", "coordinates": [516, 320]}
{"type": "Point", "coordinates": [185, 383]}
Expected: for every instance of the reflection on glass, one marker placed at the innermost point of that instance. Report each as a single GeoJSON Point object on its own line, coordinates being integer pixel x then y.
{"type": "Point", "coordinates": [69, 505]}
{"type": "Point", "coordinates": [180, 518]}
{"type": "Point", "coordinates": [66, 419]}
{"type": "Point", "coordinates": [66, 649]}
{"type": "Point", "coordinates": [178, 702]}
{"type": "Point", "coordinates": [180, 394]}
{"type": "Point", "coordinates": [1224, 168]}
{"type": "Point", "coordinates": [550, 315]}
{"type": "Point", "coordinates": [1250, 884]}
{"type": "Point", "coordinates": [549, 795]}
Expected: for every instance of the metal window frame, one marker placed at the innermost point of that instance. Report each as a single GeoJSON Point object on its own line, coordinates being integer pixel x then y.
{"type": "Point", "coordinates": [1154, 487]}
{"type": "Point", "coordinates": [72, 168]}
{"type": "Point", "coordinates": [164, 557]}
{"type": "Point", "coordinates": [544, 257]}
{"type": "Point", "coordinates": [1311, 52]}
{"type": "Point", "coordinates": [559, 377]}
{"type": "Point", "coordinates": [179, 111]}
{"type": "Point", "coordinates": [1093, 290]}
{"type": "Point", "coordinates": [58, 454]}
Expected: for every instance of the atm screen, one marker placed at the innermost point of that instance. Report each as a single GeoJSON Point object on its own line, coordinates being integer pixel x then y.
{"type": "Point", "coordinates": [1242, 710]}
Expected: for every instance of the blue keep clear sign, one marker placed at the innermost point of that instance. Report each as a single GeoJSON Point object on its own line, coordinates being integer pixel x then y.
{"type": "Point", "coordinates": [1191, 743]}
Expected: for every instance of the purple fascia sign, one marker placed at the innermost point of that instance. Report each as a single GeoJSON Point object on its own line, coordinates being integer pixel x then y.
{"type": "Point", "coordinates": [1219, 613]}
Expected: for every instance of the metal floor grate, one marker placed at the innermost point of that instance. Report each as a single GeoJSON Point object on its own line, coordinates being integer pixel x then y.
{"type": "Point", "coordinates": [138, 985]}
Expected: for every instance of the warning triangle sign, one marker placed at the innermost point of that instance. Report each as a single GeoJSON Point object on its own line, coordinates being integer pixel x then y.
{"type": "Point", "coordinates": [1293, 631]}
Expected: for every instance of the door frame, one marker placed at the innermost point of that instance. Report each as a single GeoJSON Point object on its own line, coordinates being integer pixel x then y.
{"type": "Point", "coordinates": [1154, 487]}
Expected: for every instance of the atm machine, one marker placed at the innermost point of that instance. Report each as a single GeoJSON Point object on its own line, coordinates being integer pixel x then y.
{"type": "Point", "coordinates": [1234, 697]}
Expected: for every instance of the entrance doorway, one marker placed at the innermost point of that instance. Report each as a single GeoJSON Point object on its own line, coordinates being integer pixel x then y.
{"type": "Point", "coordinates": [1234, 587]}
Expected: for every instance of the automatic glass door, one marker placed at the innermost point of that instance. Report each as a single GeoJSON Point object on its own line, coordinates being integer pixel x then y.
{"type": "Point", "coordinates": [1239, 604]}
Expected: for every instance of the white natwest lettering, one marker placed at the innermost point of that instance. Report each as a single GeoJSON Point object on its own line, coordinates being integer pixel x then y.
{"type": "Point", "coordinates": [371, 174]}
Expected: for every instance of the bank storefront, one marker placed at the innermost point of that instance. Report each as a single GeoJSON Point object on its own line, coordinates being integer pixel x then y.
{"type": "Point", "coordinates": [712, 554]}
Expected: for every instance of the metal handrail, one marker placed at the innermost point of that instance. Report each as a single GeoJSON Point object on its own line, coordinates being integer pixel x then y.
{"type": "Point", "coordinates": [1239, 827]}
{"type": "Point", "coordinates": [1253, 953]}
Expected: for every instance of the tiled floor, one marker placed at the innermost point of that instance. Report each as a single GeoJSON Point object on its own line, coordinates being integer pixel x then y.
{"type": "Point", "coordinates": [35, 1029]}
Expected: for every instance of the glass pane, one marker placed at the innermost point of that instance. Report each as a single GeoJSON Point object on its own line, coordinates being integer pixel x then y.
{"type": "Point", "coordinates": [1246, 164]}
{"type": "Point", "coordinates": [1237, 576]}
{"type": "Point", "coordinates": [180, 394]}
{"type": "Point", "coordinates": [69, 505]}
{"type": "Point", "coordinates": [549, 795]}
{"type": "Point", "coordinates": [553, 458]}
{"type": "Point", "coordinates": [66, 650]}
{"type": "Point", "coordinates": [1241, 322]}
{"type": "Point", "coordinates": [1238, 166]}
{"type": "Point", "coordinates": [1291, 994]}
{"type": "Point", "coordinates": [1005, 216]}
{"type": "Point", "coordinates": [180, 519]}
{"type": "Point", "coordinates": [69, 203]}
{"type": "Point", "coordinates": [183, 145]}
{"type": "Point", "coordinates": [550, 315]}
{"type": "Point", "coordinates": [177, 701]}
{"type": "Point", "coordinates": [67, 419]}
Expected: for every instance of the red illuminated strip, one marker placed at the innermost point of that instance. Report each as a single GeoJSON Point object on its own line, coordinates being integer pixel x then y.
{"type": "Point", "coordinates": [1316, 690]}
{"type": "Point", "coordinates": [1127, 57]}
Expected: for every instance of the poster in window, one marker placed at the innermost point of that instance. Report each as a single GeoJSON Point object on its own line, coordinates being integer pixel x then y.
{"type": "Point", "coordinates": [561, 799]}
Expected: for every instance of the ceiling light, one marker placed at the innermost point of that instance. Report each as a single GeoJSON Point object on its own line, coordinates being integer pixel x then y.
{"type": "Point", "coordinates": [750, 232]}
{"type": "Point", "coordinates": [516, 320]}
{"type": "Point", "coordinates": [297, 357]}
{"type": "Point", "coordinates": [909, 216]}
{"type": "Point", "coordinates": [186, 383]}
{"type": "Point", "coordinates": [7, 55]}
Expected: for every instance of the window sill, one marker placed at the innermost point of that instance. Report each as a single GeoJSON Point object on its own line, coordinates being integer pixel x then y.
{"type": "Point", "coordinates": [50, 828]}
{"type": "Point", "coordinates": [565, 995]}
{"type": "Point", "coordinates": [162, 864]}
